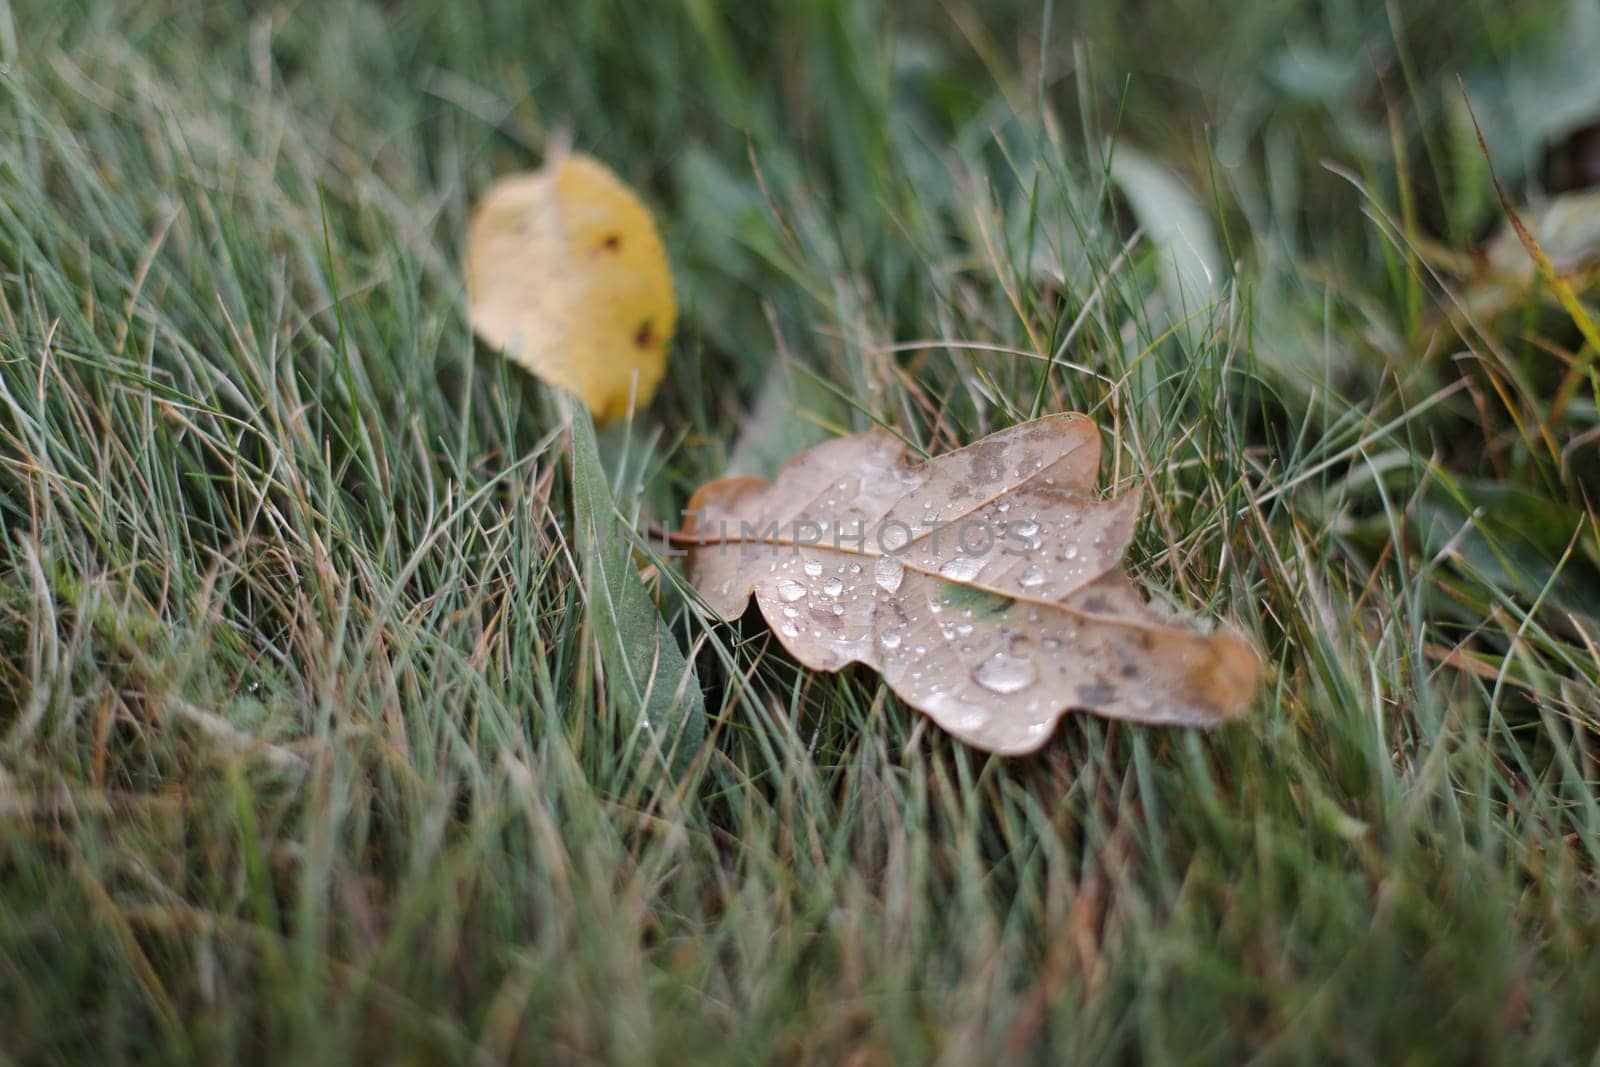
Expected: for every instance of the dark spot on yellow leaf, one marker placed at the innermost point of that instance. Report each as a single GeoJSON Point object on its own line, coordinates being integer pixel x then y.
{"type": "Point", "coordinates": [612, 243]}
{"type": "Point", "coordinates": [645, 335]}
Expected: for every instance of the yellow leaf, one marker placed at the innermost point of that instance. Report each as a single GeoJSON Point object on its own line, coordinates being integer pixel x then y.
{"type": "Point", "coordinates": [985, 586]}
{"type": "Point", "coordinates": [566, 274]}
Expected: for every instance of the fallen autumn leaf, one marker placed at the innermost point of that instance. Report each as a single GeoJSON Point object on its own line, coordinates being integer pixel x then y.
{"type": "Point", "coordinates": [984, 585]}
{"type": "Point", "coordinates": [567, 275]}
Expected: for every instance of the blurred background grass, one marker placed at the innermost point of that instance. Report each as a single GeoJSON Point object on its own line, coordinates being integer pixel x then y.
{"type": "Point", "coordinates": [303, 747]}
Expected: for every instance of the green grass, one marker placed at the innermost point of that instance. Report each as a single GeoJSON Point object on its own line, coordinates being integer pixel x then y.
{"type": "Point", "coordinates": [304, 749]}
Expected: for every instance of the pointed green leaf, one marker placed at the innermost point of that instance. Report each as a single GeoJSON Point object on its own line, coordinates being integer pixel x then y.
{"type": "Point", "coordinates": [645, 670]}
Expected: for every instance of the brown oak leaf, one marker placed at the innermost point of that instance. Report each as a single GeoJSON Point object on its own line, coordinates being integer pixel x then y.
{"type": "Point", "coordinates": [984, 585]}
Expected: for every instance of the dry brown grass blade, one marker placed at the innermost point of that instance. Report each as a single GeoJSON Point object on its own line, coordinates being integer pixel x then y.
{"type": "Point", "coordinates": [1551, 276]}
{"type": "Point", "coordinates": [984, 585]}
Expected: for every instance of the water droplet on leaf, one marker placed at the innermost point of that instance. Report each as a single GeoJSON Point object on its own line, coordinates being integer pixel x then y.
{"type": "Point", "coordinates": [962, 568]}
{"type": "Point", "coordinates": [1003, 673]}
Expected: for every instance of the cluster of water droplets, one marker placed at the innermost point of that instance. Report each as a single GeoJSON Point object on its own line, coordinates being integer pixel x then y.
{"type": "Point", "coordinates": [965, 673]}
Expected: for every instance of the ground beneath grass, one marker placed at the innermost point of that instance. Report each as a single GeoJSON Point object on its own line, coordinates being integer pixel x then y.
{"type": "Point", "coordinates": [306, 750]}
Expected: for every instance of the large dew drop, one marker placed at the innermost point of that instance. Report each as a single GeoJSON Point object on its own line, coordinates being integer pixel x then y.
{"type": "Point", "coordinates": [1003, 673]}
{"type": "Point", "coordinates": [813, 567]}
{"type": "Point", "coordinates": [963, 568]}
{"type": "Point", "coordinates": [790, 590]}
{"type": "Point", "coordinates": [889, 573]}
